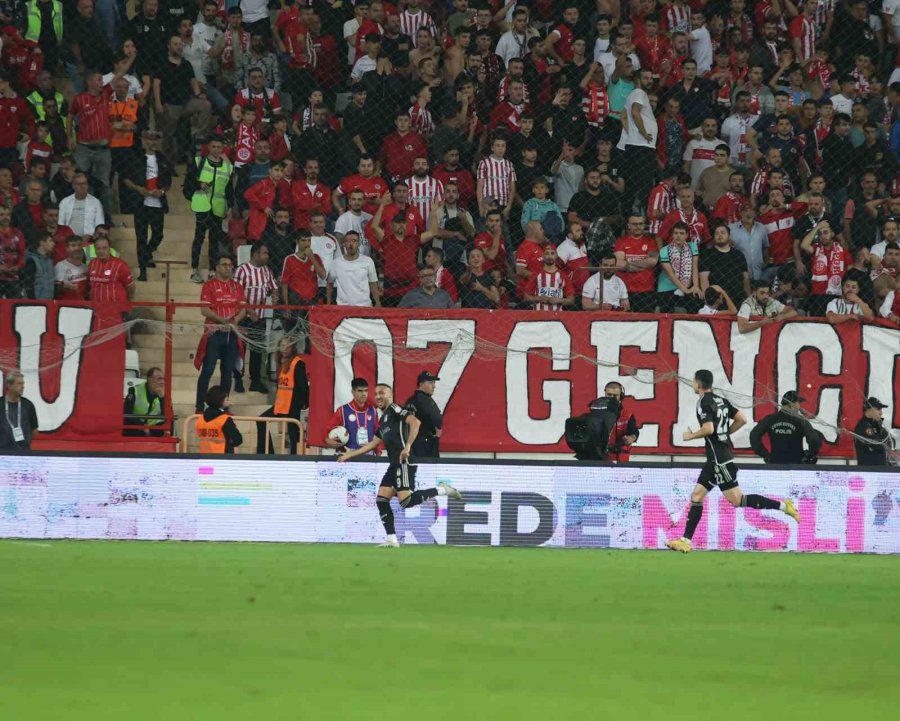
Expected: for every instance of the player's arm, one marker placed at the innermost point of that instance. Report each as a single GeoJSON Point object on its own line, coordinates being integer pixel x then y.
{"type": "Point", "coordinates": [372, 445]}
{"type": "Point", "coordinates": [414, 425]}
{"type": "Point", "coordinates": [738, 421]}
{"type": "Point", "coordinates": [707, 429]}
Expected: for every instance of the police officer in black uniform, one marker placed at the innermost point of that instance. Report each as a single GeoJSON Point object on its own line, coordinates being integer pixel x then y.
{"type": "Point", "coordinates": [397, 431]}
{"type": "Point", "coordinates": [786, 430]}
{"type": "Point", "coordinates": [874, 440]}
{"type": "Point", "coordinates": [427, 441]}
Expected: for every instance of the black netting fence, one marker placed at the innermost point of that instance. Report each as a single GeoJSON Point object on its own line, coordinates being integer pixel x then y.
{"type": "Point", "coordinates": [702, 157]}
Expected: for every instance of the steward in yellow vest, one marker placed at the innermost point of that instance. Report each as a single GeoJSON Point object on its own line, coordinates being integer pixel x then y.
{"type": "Point", "coordinates": [209, 188]}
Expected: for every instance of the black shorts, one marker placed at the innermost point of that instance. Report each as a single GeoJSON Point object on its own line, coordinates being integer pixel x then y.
{"type": "Point", "coordinates": [400, 476]}
{"type": "Point", "coordinates": [718, 475]}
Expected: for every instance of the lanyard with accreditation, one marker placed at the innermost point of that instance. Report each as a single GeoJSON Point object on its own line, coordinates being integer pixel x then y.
{"type": "Point", "coordinates": [18, 433]}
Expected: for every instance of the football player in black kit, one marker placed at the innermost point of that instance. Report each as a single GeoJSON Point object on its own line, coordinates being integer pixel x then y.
{"type": "Point", "coordinates": [397, 430]}
{"type": "Point", "coordinates": [718, 420]}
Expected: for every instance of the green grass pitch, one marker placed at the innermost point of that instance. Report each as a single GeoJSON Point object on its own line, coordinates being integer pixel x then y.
{"type": "Point", "coordinates": [190, 632]}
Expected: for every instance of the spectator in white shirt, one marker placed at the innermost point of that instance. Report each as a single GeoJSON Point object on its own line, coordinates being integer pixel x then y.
{"type": "Point", "coordinates": [81, 211]}
{"type": "Point", "coordinates": [355, 220]}
{"type": "Point", "coordinates": [324, 245]}
{"type": "Point", "coordinates": [370, 60]}
{"type": "Point", "coordinates": [701, 43]}
{"type": "Point", "coordinates": [849, 306]}
{"type": "Point", "coordinates": [352, 279]}
{"type": "Point", "coordinates": [514, 42]}
{"type": "Point", "coordinates": [762, 305]}
{"type": "Point", "coordinates": [615, 294]}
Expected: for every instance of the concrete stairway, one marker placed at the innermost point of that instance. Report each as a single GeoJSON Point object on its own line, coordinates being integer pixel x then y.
{"type": "Point", "coordinates": [149, 339]}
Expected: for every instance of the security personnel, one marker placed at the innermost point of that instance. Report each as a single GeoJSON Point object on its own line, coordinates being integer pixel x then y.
{"type": "Point", "coordinates": [427, 441]}
{"type": "Point", "coordinates": [46, 91]}
{"type": "Point", "coordinates": [144, 405]}
{"type": "Point", "coordinates": [49, 37]}
{"type": "Point", "coordinates": [786, 429]}
{"type": "Point", "coordinates": [209, 188]}
{"type": "Point", "coordinates": [873, 438]}
{"type": "Point", "coordinates": [359, 417]}
{"type": "Point", "coordinates": [626, 430]}
{"type": "Point", "coordinates": [291, 397]}
{"type": "Point", "coordinates": [215, 429]}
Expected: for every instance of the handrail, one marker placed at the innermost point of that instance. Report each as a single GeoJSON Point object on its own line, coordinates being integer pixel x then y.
{"type": "Point", "coordinates": [301, 445]}
{"type": "Point", "coordinates": [168, 276]}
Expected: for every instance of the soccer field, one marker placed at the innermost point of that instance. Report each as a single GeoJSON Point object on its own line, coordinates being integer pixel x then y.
{"type": "Point", "coordinates": [193, 631]}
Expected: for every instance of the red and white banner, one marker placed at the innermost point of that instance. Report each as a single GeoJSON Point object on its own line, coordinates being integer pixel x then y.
{"type": "Point", "coordinates": [73, 376]}
{"type": "Point", "coordinates": [510, 379]}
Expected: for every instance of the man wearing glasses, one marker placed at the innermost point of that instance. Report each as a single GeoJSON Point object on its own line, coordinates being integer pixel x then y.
{"type": "Point", "coordinates": [427, 295]}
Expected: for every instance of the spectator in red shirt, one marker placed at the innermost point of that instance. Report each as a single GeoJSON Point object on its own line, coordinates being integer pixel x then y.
{"type": "Point", "coordinates": [399, 249]}
{"type": "Point", "coordinates": [493, 245]}
{"type": "Point", "coordinates": [71, 274]}
{"type": "Point", "coordinates": [309, 195]}
{"type": "Point", "coordinates": [687, 214]}
{"type": "Point", "coordinates": [508, 114]}
{"type": "Point", "coordinates": [443, 278]}
{"type": "Point", "coordinates": [450, 171]}
{"type": "Point", "coordinates": [301, 272]}
{"type": "Point", "coordinates": [400, 204]}
{"type": "Point", "coordinates": [28, 216]}
{"type": "Point", "coordinates": [223, 309]}
{"type": "Point", "coordinates": [728, 207]}
{"type": "Point", "coordinates": [529, 256]}
{"type": "Point", "coordinates": [264, 197]}
{"type": "Point", "coordinates": [60, 233]}
{"type": "Point", "coordinates": [549, 288]}
{"type": "Point", "coordinates": [16, 122]}
{"type": "Point", "coordinates": [779, 223]}
{"type": "Point", "coordinates": [400, 149]}
{"type": "Point", "coordinates": [558, 44]}
{"type": "Point", "coordinates": [12, 256]}
{"type": "Point", "coordinates": [89, 130]}
{"type": "Point", "coordinates": [109, 278]}
{"type": "Point", "coordinates": [636, 257]}
{"type": "Point", "coordinates": [372, 186]}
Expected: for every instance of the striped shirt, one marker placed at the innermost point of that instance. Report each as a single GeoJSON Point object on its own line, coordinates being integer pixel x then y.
{"type": "Point", "coordinates": [595, 105]}
{"type": "Point", "coordinates": [760, 184]}
{"type": "Point", "coordinates": [823, 8]}
{"type": "Point", "coordinates": [410, 22]}
{"type": "Point", "coordinates": [805, 30]}
{"type": "Point", "coordinates": [423, 192]}
{"type": "Point", "coordinates": [549, 285]}
{"type": "Point", "coordinates": [661, 200]}
{"type": "Point", "coordinates": [421, 120]}
{"type": "Point", "coordinates": [677, 19]}
{"type": "Point", "coordinates": [91, 113]}
{"type": "Point", "coordinates": [497, 175]}
{"type": "Point", "coordinates": [108, 280]}
{"type": "Point", "coordinates": [258, 281]}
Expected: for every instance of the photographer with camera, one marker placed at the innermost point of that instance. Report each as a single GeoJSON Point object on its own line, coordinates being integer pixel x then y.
{"type": "Point", "coordinates": [607, 431]}
{"type": "Point", "coordinates": [786, 430]}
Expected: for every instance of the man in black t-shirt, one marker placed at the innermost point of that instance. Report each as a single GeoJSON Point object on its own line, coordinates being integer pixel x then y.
{"type": "Point", "coordinates": [725, 266]}
{"type": "Point", "coordinates": [718, 420]}
{"type": "Point", "coordinates": [397, 431]}
{"type": "Point", "coordinates": [595, 202]}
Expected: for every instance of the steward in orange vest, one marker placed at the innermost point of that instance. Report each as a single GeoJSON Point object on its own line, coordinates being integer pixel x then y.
{"type": "Point", "coordinates": [291, 397]}
{"type": "Point", "coordinates": [216, 432]}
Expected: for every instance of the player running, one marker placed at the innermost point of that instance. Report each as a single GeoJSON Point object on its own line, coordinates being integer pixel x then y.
{"type": "Point", "coordinates": [397, 430]}
{"type": "Point", "coordinates": [718, 421]}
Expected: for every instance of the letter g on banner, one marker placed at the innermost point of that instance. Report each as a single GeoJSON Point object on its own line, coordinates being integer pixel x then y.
{"type": "Point", "coordinates": [526, 335]}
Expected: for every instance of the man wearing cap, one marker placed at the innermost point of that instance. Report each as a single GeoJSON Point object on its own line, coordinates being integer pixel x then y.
{"type": "Point", "coordinates": [786, 429]}
{"type": "Point", "coordinates": [426, 444]}
{"type": "Point", "coordinates": [872, 438]}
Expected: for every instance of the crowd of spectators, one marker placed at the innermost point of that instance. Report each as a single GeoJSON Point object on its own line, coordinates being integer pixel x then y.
{"type": "Point", "coordinates": [702, 156]}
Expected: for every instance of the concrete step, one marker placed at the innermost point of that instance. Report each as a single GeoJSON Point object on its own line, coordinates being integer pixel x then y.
{"type": "Point", "coordinates": [174, 221]}
{"type": "Point", "coordinates": [257, 402]}
{"type": "Point", "coordinates": [172, 234]}
{"type": "Point", "coordinates": [181, 289]}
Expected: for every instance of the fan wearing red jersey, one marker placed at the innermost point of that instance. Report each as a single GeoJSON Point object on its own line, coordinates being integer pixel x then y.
{"type": "Point", "coordinates": [550, 288]}
{"type": "Point", "coordinates": [637, 256]}
{"type": "Point", "coordinates": [399, 251]}
{"type": "Point", "coordinates": [686, 213]}
{"type": "Point", "coordinates": [779, 224]}
{"type": "Point", "coordinates": [558, 44]}
{"type": "Point", "coordinates": [109, 278]}
{"type": "Point", "coordinates": [372, 187]}
{"type": "Point", "coordinates": [309, 195]}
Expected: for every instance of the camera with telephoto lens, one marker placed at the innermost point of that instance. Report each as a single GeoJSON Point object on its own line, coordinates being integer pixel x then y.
{"type": "Point", "coordinates": [588, 435]}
